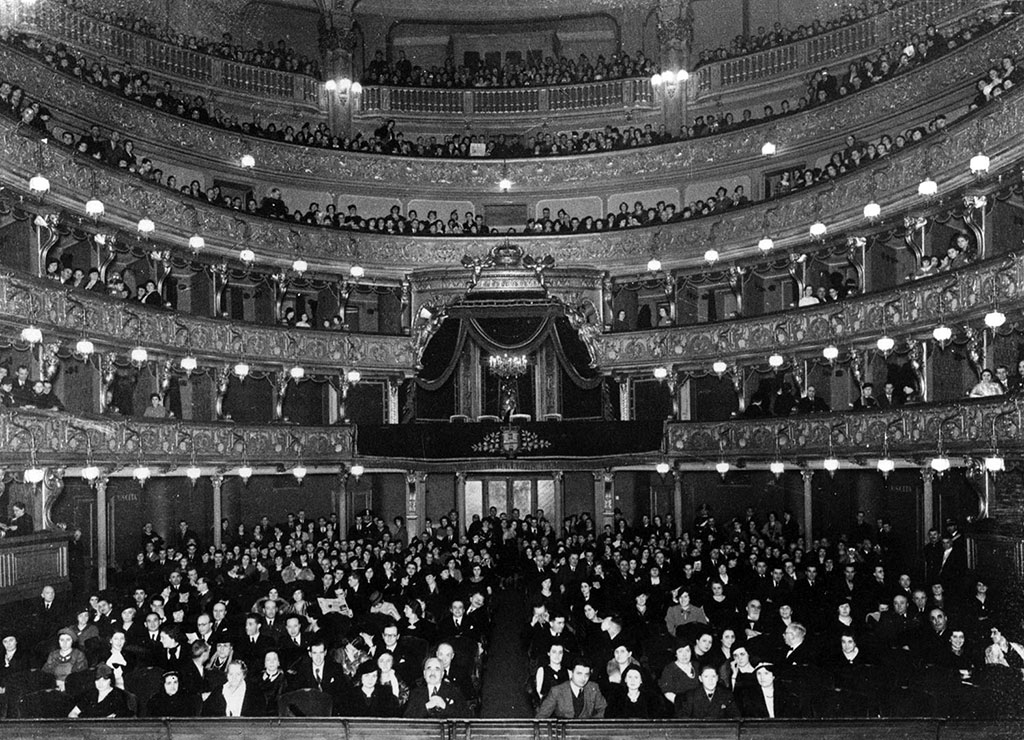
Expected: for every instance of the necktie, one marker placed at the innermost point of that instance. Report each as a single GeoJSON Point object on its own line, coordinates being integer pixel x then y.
{"type": "Point", "coordinates": [319, 677]}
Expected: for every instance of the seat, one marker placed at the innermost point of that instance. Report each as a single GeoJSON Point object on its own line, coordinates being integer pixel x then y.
{"type": "Point", "coordinates": [906, 702]}
{"type": "Point", "coordinates": [78, 682]}
{"type": "Point", "coordinates": [46, 704]}
{"type": "Point", "coordinates": [521, 418]}
{"type": "Point", "coordinates": [488, 418]}
{"type": "Point", "coordinates": [143, 683]}
{"type": "Point", "coordinates": [22, 683]}
{"type": "Point", "coordinates": [552, 417]}
{"type": "Point", "coordinates": [458, 418]}
{"type": "Point", "coordinates": [305, 703]}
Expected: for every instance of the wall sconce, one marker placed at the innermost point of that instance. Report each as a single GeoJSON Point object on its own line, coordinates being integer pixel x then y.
{"type": "Point", "coordinates": [995, 319]}
{"type": "Point", "coordinates": [766, 244]}
{"type": "Point", "coordinates": [928, 188]}
{"type": "Point", "coordinates": [660, 373]}
{"type": "Point", "coordinates": [299, 471]}
{"type": "Point", "coordinates": [146, 226]}
{"type": "Point", "coordinates": [711, 256]}
{"type": "Point", "coordinates": [297, 372]}
{"type": "Point", "coordinates": [885, 344]}
{"type": "Point", "coordinates": [777, 467]}
{"type": "Point", "coordinates": [32, 335]}
{"type": "Point", "coordinates": [722, 467]}
{"type": "Point", "coordinates": [356, 271]}
{"type": "Point", "coordinates": [818, 230]}
{"type": "Point", "coordinates": [241, 370]}
{"type": "Point", "coordinates": [979, 164]}
{"type": "Point", "coordinates": [139, 356]}
{"type": "Point", "coordinates": [886, 465]}
{"type": "Point", "coordinates": [188, 364]}
{"type": "Point", "coordinates": [662, 469]}
{"type": "Point", "coordinates": [654, 264]}
{"type": "Point", "coordinates": [247, 161]}
{"type": "Point", "coordinates": [94, 208]}
{"type": "Point", "coordinates": [768, 149]}
{"type": "Point", "coordinates": [872, 211]}
{"type": "Point", "coordinates": [356, 471]}
{"type": "Point", "coordinates": [247, 256]}
{"type": "Point", "coordinates": [720, 367]}
{"type": "Point", "coordinates": [300, 266]}
{"type": "Point", "coordinates": [776, 361]}
{"type": "Point", "coordinates": [196, 242]}
{"type": "Point", "coordinates": [245, 473]}
{"type": "Point", "coordinates": [942, 334]}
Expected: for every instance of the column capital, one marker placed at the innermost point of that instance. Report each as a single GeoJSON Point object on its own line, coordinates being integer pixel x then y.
{"type": "Point", "coordinates": [460, 477]}
{"type": "Point", "coordinates": [101, 483]}
{"type": "Point", "coordinates": [807, 475]}
{"type": "Point", "coordinates": [928, 476]}
{"type": "Point", "coordinates": [217, 480]}
{"type": "Point", "coordinates": [558, 475]}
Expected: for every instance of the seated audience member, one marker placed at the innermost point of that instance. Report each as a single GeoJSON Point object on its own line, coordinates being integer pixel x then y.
{"type": "Point", "coordinates": [551, 674]}
{"type": "Point", "coordinates": [987, 386]}
{"type": "Point", "coordinates": [171, 700]}
{"type": "Point", "coordinates": [66, 659]}
{"type": "Point", "coordinates": [709, 700]}
{"type": "Point", "coordinates": [105, 701]}
{"type": "Point", "coordinates": [633, 699]}
{"type": "Point", "coordinates": [767, 699]}
{"type": "Point", "coordinates": [20, 523]}
{"type": "Point", "coordinates": [680, 675]}
{"type": "Point", "coordinates": [368, 697]}
{"type": "Point", "coordinates": [436, 698]}
{"type": "Point", "coordinates": [236, 698]}
{"type": "Point", "coordinates": [577, 698]}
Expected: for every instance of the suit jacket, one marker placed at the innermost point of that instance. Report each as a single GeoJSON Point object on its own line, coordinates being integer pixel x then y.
{"type": "Point", "coordinates": [752, 703]}
{"type": "Point", "coordinates": [694, 704]}
{"type": "Point", "coordinates": [446, 628]}
{"type": "Point", "coordinates": [456, 705]}
{"type": "Point", "coordinates": [558, 703]}
{"type": "Point", "coordinates": [333, 681]}
{"type": "Point", "coordinates": [251, 653]}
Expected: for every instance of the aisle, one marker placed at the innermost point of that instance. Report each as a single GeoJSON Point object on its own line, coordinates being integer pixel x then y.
{"type": "Point", "coordinates": [504, 681]}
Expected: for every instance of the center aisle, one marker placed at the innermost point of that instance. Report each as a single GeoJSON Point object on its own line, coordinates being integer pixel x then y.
{"type": "Point", "coordinates": [503, 690]}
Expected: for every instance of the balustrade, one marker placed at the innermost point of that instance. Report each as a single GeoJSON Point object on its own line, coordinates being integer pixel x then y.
{"type": "Point", "coordinates": [66, 24]}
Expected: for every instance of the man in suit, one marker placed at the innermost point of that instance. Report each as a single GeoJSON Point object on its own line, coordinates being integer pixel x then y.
{"type": "Point", "coordinates": [20, 522]}
{"type": "Point", "coordinates": [294, 644]}
{"type": "Point", "coordinates": [316, 672]}
{"type": "Point", "coordinates": [767, 699]}
{"type": "Point", "coordinates": [48, 616]}
{"type": "Point", "coordinates": [436, 698]}
{"type": "Point", "coordinates": [175, 655]}
{"type": "Point", "coordinates": [577, 698]}
{"type": "Point", "coordinates": [455, 624]}
{"type": "Point", "coordinates": [271, 623]}
{"type": "Point", "coordinates": [710, 700]}
{"type": "Point", "coordinates": [252, 646]}
{"type": "Point", "coordinates": [221, 625]}
{"type": "Point", "coordinates": [798, 651]}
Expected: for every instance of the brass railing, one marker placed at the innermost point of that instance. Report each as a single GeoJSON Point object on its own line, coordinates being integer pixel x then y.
{"type": "Point", "coordinates": [93, 35]}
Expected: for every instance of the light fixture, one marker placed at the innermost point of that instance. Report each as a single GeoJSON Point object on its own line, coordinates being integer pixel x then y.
{"type": "Point", "coordinates": [34, 475]}
{"type": "Point", "coordinates": [84, 347]}
{"type": "Point", "coordinates": [330, 86]}
{"type": "Point", "coordinates": [245, 473]}
{"type": "Point", "coordinates": [356, 271]}
{"type": "Point", "coordinates": [660, 373]}
{"type": "Point", "coordinates": [39, 185]}
{"type": "Point", "coordinates": [357, 471]}
{"type": "Point", "coordinates": [94, 208]}
{"type": "Point", "coordinates": [300, 266]}
{"type": "Point", "coordinates": [940, 464]}
{"type": "Point", "coordinates": [32, 335]}
{"type": "Point", "coordinates": [777, 467]}
{"type": "Point", "coordinates": [885, 344]}
{"type": "Point", "coordinates": [504, 184]}
{"type": "Point", "coordinates": [766, 244]}
{"type": "Point", "coordinates": [775, 361]}
{"type": "Point", "coordinates": [722, 467]}
{"type": "Point", "coordinates": [668, 77]}
{"type": "Point", "coordinates": [146, 225]}
{"type": "Point", "coordinates": [653, 264]}
{"type": "Point", "coordinates": [995, 464]}
{"type": "Point", "coordinates": [682, 75]}
{"type": "Point", "coordinates": [711, 256]}
{"type": "Point", "coordinates": [818, 229]}
{"type": "Point", "coordinates": [196, 242]}
{"type": "Point", "coordinates": [980, 164]}
{"type": "Point", "coordinates": [142, 473]}
{"type": "Point", "coordinates": [100, 239]}
{"type": "Point", "coordinates": [90, 473]}
{"type": "Point", "coordinates": [656, 79]}
{"type": "Point", "coordinates": [662, 468]}
{"type": "Point", "coordinates": [299, 471]}
{"type": "Point", "coordinates": [830, 353]}
{"type": "Point", "coordinates": [831, 464]}
{"type": "Point", "coordinates": [719, 367]}
{"type": "Point", "coordinates": [356, 88]}
{"type": "Point", "coordinates": [942, 334]}
{"type": "Point", "coordinates": [139, 356]}
{"type": "Point", "coordinates": [872, 211]}
{"type": "Point", "coordinates": [248, 161]}
{"type": "Point", "coordinates": [928, 187]}
{"type": "Point", "coordinates": [193, 473]}
{"type": "Point", "coordinates": [188, 363]}
{"type": "Point", "coordinates": [353, 376]}
{"type": "Point", "coordinates": [247, 255]}
{"type": "Point", "coordinates": [241, 370]}
{"type": "Point", "coordinates": [344, 84]}
{"type": "Point", "coordinates": [886, 465]}
{"type": "Point", "coordinates": [768, 149]}
{"type": "Point", "coordinates": [297, 372]}
{"type": "Point", "coordinates": [994, 319]}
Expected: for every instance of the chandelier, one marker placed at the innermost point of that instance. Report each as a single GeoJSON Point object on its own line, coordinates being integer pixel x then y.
{"type": "Point", "coordinates": [508, 366]}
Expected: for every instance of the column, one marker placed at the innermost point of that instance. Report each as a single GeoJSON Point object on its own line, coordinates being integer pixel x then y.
{"type": "Point", "coordinates": [338, 43]}
{"type": "Point", "coordinates": [393, 409]}
{"type": "Point", "coordinates": [675, 36]}
{"type": "Point", "coordinates": [333, 404]}
{"type": "Point", "coordinates": [415, 501]}
{"type": "Point", "coordinates": [101, 532]}
{"type": "Point", "coordinates": [927, 502]}
{"type": "Point", "coordinates": [625, 399]}
{"type": "Point", "coordinates": [604, 498]}
{"type": "Point", "coordinates": [677, 501]}
{"type": "Point", "coordinates": [50, 489]}
{"type": "Point", "coordinates": [341, 502]}
{"type": "Point", "coordinates": [558, 515]}
{"type": "Point", "coordinates": [808, 522]}
{"type": "Point", "coordinates": [218, 508]}
{"type": "Point", "coordinates": [460, 505]}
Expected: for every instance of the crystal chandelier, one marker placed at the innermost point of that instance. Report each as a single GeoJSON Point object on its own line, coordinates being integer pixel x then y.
{"type": "Point", "coordinates": [508, 366]}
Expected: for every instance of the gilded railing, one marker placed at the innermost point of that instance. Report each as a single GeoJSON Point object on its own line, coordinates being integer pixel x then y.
{"type": "Point", "coordinates": [847, 42]}
{"type": "Point", "coordinates": [66, 440]}
{"type": "Point", "coordinates": [64, 313]}
{"type": "Point", "coordinates": [66, 24]}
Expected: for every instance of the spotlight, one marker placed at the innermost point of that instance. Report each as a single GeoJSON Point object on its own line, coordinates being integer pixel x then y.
{"type": "Point", "coordinates": [777, 467]}
{"type": "Point", "coordinates": [356, 88]}
{"type": "Point", "coordinates": [330, 86]}
{"type": "Point", "coordinates": [830, 464]}
{"type": "Point", "coordinates": [886, 465]}
{"type": "Point", "coordinates": [722, 467]}
{"type": "Point", "coordinates": [142, 473]}
{"type": "Point", "coordinates": [193, 473]}
{"type": "Point", "coordinates": [245, 473]}
{"type": "Point", "coordinates": [299, 472]}
{"type": "Point", "coordinates": [353, 376]}
{"type": "Point", "coordinates": [90, 473]}
{"type": "Point", "coordinates": [818, 229]}
{"type": "Point", "coordinates": [940, 464]}
{"type": "Point", "coordinates": [719, 367]}
{"type": "Point", "coordinates": [831, 352]}
{"type": "Point", "coordinates": [995, 464]}
{"type": "Point", "coordinates": [711, 256]}
{"type": "Point", "coordinates": [504, 184]}
{"type": "Point", "coordinates": [942, 334]}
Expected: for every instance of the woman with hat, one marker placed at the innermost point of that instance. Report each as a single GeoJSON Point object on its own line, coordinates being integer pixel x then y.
{"type": "Point", "coordinates": [66, 659]}
{"type": "Point", "coordinates": [105, 701]}
{"type": "Point", "coordinates": [171, 700]}
{"type": "Point", "coordinates": [367, 698]}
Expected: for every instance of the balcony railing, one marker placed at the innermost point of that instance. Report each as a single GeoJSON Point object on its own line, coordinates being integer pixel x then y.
{"type": "Point", "coordinates": [581, 98]}
{"type": "Point", "coordinates": [842, 43]}
{"type": "Point", "coordinates": [65, 24]}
